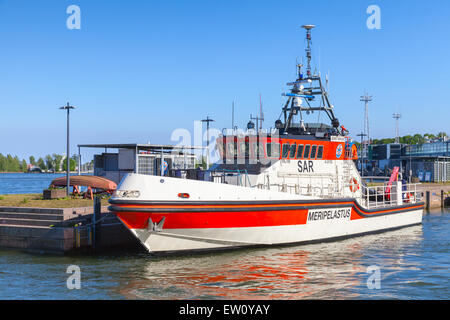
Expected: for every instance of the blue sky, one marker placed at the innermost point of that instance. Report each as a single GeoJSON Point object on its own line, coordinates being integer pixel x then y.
{"type": "Point", "coordinates": [137, 70]}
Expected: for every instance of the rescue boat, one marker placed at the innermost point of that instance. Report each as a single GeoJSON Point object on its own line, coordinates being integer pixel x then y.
{"type": "Point", "coordinates": [298, 183]}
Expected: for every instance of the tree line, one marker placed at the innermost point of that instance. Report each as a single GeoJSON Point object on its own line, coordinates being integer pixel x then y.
{"type": "Point", "coordinates": [54, 162]}
{"type": "Point", "coordinates": [415, 139]}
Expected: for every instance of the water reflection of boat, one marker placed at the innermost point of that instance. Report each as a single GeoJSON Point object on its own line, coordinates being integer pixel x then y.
{"type": "Point", "coordinates": [335, 270]}
{"type": "Point", "coordinates": [295, 184]}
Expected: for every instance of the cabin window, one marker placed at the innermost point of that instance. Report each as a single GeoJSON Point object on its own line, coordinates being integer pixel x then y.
{"type": "Point", "coordinates": [254, 149]}
{"type": "Point", "coordinates": [273, 150]}
{"type": "Point", "coordinates": [231, 150]}
{"type": "Point", "coordinates": [306, 153]}
{"type": "Point", "coordinates": [300, 151]}
{"type": "Point", "coordinates": [285, 150]}
{"type": "Point", "coordinates": [313, 152]}
{"type": "Point", "coordinates": [261, 150]}
{"type": "Point", "coordinates": [292, 151]}
{"type": "Point", "coordinates": [219, 146]}
{"type": "Point", "coordinates": [269, 149]}
{"type": "Point", "coordinates": [242, 148]}
{"type": "Point", "coordinates": [320, 152]}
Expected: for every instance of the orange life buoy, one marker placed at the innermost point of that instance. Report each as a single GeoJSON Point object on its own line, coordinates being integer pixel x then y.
{"type": "Point", "coordinates": [354, 152]}
{"type": "Point", "coordinates": [354, 185]}
{"type": "Point", "coordinates": [408, 197]}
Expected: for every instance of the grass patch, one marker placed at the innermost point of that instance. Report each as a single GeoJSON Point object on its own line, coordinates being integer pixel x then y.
{"type": "Point", "coordinates": [36, 200]}
{"type": "Point", "coordinates": [374, 184]}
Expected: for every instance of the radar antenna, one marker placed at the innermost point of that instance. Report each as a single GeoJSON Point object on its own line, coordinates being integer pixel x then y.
{"type": "Point", "coordinates": [302, 97]}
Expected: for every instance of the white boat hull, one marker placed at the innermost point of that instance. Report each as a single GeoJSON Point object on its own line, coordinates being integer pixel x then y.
{"type": "Point", "coordinates": [243, 217]}
{"type": "Point", "coordinates": [223, 238]}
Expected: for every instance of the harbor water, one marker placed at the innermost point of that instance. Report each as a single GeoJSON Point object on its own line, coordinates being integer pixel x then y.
{"type": "Point", "coordinates": [410, 263]}
{"type": "Point", "coordinates": [17, 183]}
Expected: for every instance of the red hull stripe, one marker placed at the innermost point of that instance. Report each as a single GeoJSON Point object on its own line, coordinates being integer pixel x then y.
{"type": "Point", "coordinates": [136, 217]}
{"type": "Point", "coordinates": [236, 219]}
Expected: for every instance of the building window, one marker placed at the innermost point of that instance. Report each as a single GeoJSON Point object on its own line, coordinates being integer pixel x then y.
{"type": "Point", "coordinates": [146, 165]}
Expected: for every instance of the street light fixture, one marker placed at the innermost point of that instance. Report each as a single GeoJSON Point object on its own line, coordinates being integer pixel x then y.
{"type": "Point", "coordinates": [68, 107]}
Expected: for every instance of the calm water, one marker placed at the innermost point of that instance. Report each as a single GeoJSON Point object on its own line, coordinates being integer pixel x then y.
{"type": "Point", "coordinates": [414, 264]}
{"type": "Point", "coordinates": [14, 183]}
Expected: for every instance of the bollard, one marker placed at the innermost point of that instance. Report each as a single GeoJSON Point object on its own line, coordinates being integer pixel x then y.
{"type": "Point", "coordinates": [442, 199]}
{"type": "Point", "coordinates": [89, 231]}
{"type": "Point", "coordinates": [96, 223]}
{"type": "Point", "coordinates": [77, 237]}
{"type": "Point", "coordinates": [428, 200]}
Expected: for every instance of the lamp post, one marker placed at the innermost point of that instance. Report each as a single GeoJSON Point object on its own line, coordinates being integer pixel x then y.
{"type": "Point", "coordinates": [68, 107]}
{"type": "Point", "coordinates": [207, 120]}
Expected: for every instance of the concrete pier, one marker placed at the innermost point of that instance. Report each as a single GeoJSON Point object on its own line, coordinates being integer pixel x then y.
{"type": "Point", "coordinates": [435, 196]}
{"type": "Point", "coordinates": [67, 230]}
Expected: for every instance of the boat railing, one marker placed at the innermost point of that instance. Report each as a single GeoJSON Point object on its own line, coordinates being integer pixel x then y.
{"type": "Point", "coordinates": [369, 196]}
{"type": "Point", "coordinates": [326, 187]}
{"type": "Point", "coordinates": [389, 195]}
{"type": "Point", "coordinates": [236, 177]}
{"type": "Point", "coordinates": [325, 190]}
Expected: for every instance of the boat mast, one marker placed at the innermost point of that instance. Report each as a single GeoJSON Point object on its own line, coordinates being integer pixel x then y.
{"type": "Point", "coordinates": [302, 95]}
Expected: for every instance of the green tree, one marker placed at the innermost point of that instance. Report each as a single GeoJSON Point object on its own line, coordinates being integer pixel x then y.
{"type": "Point", "coordinates": [406, 139]}
{"type": "Point", "coordinates": [418, 139]}
{"type": "Point", "coordinates": [49, 162]}
{"type": "Point", "coordinates": [57, 158]}
{"type": "Point", "coordinates": [41, 164]}
{"type": "Point", "coordinates": [75, 158]}
{"type": "Point", "coordinates": [12, 164]}
{"type": "Point", "coordinates": [2, 163]}
{"type": "Point", "coordinates": [387, 141]}
{"type": "Point", "coordinates": [32, 160]}
{"type": "Point", "coordinates": [201, 162]}
{"type": "Point", "coordinates": [442, 135]}
{"type": "Point", "coordinates": [73, 164]}
{"type": "Point", "coordinates": [88, 166]}
{"type": "Point", "coordinates": [17, 164]}
{"type": "Point", "coordinates": [24, 167]}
